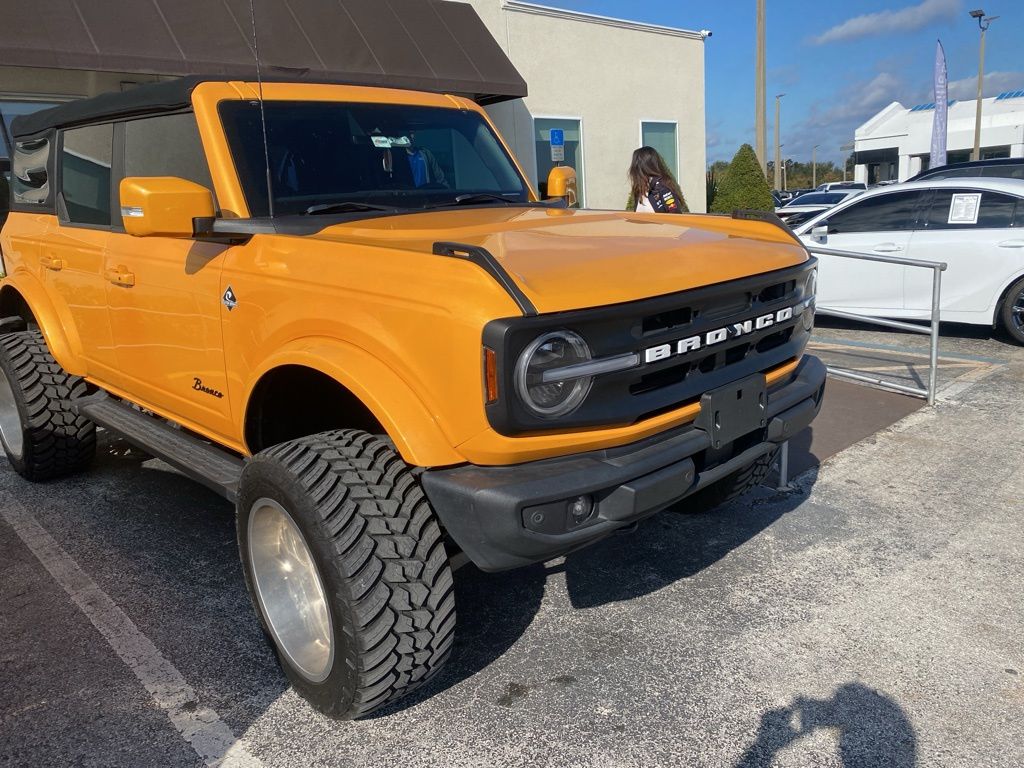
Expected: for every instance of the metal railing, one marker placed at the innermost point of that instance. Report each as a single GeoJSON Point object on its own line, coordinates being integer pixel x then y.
{"type": "Point", "coordinates": [932, 329]}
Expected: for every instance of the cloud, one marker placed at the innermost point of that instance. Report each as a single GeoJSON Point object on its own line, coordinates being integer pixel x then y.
{"type": "Point", "coordinates": [887, 22]}
{"type": "Point", "coordinates": [993, 84]}
{"type": "Point", "coordinates": [832, 123]}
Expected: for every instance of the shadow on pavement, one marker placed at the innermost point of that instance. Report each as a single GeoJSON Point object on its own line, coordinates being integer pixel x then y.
{"type": "Point", "coordinates": [669, 547]}
{"type": "Point", "coordinates": [873, 730]}
{"type": "Point", "coordinates": [496, 609]}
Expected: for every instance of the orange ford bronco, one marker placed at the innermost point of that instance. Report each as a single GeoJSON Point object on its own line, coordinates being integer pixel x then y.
{"type": "Point", "coordinates": [346, 310]}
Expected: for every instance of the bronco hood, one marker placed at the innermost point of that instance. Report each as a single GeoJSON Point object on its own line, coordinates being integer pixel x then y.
{"type": "Point", "coordinates": [566, 259]}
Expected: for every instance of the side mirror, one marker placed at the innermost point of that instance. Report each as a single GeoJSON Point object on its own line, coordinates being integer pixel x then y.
{"type": "Point", "coordinates": [820, 233]}
{"type": "Point", "coordinates": [163, 206]}
{"type": "Point", "coordinates": [562, 183]}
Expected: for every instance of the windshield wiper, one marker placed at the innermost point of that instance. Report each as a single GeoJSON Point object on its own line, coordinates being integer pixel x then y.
{"type": "Point", "coordinates": [474, 199]}
{"type": "Point", "coordinates": [347, 207]}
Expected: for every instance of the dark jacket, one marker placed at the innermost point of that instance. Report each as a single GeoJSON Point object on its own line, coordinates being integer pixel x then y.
{"type": "Point", "coordinates": [663, 199]}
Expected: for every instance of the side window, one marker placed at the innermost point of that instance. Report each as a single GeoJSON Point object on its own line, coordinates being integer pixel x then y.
{"type": "Point", "coordinates": [30, 181]}
{"type": "Point", "coordinates": [167, 145]}
{"type": "Point", "coordinates": [85, 174]}
{"type": "Point", "coordinates": [1018, 218]}
{"type": "Point", "coordinates": [884, 213]}
{"type": "Point", "coordinates": [995, 210]}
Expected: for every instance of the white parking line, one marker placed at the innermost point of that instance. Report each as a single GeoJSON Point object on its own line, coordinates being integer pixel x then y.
{"type": "Point", "coordinates": [200, 726]}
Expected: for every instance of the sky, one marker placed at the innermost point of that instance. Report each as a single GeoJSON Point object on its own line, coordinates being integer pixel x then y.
{"type": "Point", "coordinates": [838, 61]}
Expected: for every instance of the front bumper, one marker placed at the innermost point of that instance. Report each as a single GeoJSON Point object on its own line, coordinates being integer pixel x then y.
{"type": "Point", "coordinates": [506, 517]}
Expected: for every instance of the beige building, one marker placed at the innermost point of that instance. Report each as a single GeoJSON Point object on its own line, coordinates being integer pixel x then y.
{"type": "Point", "coordinates": [611, 86]}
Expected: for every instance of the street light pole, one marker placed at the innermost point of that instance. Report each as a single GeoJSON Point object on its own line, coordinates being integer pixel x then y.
{"type": "Point", "coordinates": [778, 146]}
{"type": "Point", "coordinates": [983, 24]}
{"type": "Point", "coordinates": [814, 166]}
{"type": "Point", "coordinates": [760, 129]}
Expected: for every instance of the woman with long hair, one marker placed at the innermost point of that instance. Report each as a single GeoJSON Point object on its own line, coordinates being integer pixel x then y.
{"type": "Point", "coordinates": [653, 189]}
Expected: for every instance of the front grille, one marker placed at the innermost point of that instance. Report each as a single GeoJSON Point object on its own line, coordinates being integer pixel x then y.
{"type": "Point", "coordinates": [667, 383]}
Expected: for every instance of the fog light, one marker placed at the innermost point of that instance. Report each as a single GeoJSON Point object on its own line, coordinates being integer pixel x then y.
{"type": "Point", "coordinates": [581, 509]}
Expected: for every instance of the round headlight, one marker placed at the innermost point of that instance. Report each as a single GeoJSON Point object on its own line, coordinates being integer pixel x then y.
{"type": "Point", "coordinates": [811, 284]}
{"type": "Point", "coordinates": [810, 290]}
{"type": "Point", "coordinates": [552, 397]}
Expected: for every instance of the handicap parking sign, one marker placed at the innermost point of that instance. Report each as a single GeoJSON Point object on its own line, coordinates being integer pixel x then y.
{"type": "Point", "coordinates": [557, 145]}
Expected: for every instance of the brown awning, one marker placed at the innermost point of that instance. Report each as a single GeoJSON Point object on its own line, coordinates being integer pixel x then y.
{"type": "Point", "coordinates": [433, 45]}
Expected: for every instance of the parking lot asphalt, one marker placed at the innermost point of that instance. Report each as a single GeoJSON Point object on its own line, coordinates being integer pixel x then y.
{"type": "Point", "coordinates": [869, 617]}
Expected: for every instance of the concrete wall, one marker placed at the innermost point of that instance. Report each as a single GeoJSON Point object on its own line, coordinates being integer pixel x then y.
{"type": "Point", "coordinates": [610, 74]}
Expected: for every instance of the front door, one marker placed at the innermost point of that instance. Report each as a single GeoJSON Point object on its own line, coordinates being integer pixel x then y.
{"type": "Point", "coordinates": [164, 294]}
{"type": "Point", "coordinates": [877, 226]}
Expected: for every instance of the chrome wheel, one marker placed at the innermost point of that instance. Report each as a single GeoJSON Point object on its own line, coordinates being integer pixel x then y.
{"type": "Point", "coordinates": [290, 592]}
{"type": "Point", "coordinates": [10, 420]}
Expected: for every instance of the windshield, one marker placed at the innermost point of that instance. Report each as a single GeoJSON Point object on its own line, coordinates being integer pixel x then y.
{"type": "Point", "coordinates": [326, 154]}
{"type": "Point", "coordinates": [819, 198]}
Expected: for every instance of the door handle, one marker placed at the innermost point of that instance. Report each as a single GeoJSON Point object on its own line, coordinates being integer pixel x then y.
{"type": "Point", "coordinates": [50, 263]}
{"type": "Point", "coordinates": [1012, 244]}
{"type": "Point", "coordinates": [121, 276]}
{"type": "Point", "coordinates": [887, 248]}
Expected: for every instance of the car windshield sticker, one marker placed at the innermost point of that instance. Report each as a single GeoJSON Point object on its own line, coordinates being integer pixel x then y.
{"type": "Point", "coordinates": [963, 209]}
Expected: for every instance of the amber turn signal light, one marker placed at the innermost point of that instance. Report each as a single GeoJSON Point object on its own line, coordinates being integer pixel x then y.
{"type": "Point", "coordinates": [490, 375]}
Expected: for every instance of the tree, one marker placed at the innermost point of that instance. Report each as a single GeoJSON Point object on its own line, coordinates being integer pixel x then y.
{"type": "Point", "coordinates": [744, 186]}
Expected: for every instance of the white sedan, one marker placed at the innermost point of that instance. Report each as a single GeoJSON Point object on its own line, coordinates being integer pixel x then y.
{"type": "Point", "coordinates": [975, 225]}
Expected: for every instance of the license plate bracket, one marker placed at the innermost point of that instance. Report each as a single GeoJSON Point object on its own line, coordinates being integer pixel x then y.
{"type": "Point", "coordinates": [732, 411]}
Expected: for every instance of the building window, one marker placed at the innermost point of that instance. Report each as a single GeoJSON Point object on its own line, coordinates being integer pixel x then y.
{"type": "Point", "coordinates": [85, 174]}
{"type": "Point", "coordinates": [664, 137]}
{"type": "Point", "coordinates": [572, 129]}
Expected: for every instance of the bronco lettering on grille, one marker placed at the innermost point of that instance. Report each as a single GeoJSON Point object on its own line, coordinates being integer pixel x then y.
{"type": "Point", "coordinates": [717, 336]}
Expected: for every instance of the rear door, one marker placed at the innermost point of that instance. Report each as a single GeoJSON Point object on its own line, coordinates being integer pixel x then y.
{"type": "Point", "coordinates": [879, 225]}
{"type": "Point", "coordinates": [972, 231]}
{"type": "Point", "coordinates": [71, 254]}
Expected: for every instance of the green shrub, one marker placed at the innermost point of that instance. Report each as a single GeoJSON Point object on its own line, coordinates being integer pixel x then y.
{"type": "Point", "coordinates": [744, 186]}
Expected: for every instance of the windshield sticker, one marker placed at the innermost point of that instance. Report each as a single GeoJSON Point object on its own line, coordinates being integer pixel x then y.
{"type": "Point", "coordinates": [963, 209]}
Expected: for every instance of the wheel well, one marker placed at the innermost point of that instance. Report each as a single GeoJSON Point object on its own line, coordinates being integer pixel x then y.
{"type": "Point", "coordinates": [13, 305]}
{"type": "Point", "coordinates": [997, 315]}
{"type": "Point", "coordinates": [293, 401]}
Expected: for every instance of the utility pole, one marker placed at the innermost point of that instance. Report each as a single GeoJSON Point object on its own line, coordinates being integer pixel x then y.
{"type": "Point", "coordinates": [983, 24]}
{"type": "Point", "coordinates": [814, 166]}
{"type": "Point", "coordinates": [778, 146]}
{"type": "Point", "coordinates": [760, 86]}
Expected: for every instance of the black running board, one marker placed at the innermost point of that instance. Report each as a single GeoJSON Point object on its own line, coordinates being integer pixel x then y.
{"type": "Point", "coordinates": [217, 469]}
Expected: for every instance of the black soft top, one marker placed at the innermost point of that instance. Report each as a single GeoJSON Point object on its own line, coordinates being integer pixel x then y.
{"type": "Point", "coordinates": [156, 97]}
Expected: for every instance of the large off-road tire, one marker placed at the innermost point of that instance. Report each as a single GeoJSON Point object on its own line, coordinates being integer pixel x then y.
{"type": "Point", "coordinates": [41, 435]}
{"type": "Point", "coordinates": [731, 486]}
{"type": "Point", "coordinates": [346, 568]}
{"type": "Point", "coordinates": [1011, 311]}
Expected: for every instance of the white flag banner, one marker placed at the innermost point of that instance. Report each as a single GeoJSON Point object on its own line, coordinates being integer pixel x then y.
{"type": "Point", "coordinates": [938, 155]}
